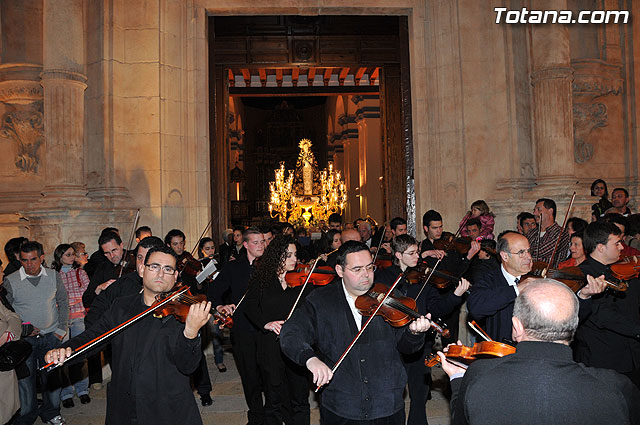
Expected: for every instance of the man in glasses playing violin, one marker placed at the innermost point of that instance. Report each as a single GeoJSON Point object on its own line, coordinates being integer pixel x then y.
{"type": "Point", "coordinates": [541, 383]}
{"type": "Point", "coordinates": [367, 387]}
{"type": "Point", "coordinates": [152, 359]}
{"type": "Point", "coordinates": [405, 255]}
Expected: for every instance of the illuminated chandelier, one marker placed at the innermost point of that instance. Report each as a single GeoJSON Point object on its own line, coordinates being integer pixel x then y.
{"type": "Point", "coordinates": [306, 196]}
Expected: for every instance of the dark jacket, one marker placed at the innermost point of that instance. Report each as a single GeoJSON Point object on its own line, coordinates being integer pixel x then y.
{"type": "Point", "coordinates": [541, 384]}
{"type": "Point", "coordinates": [104, 272]}
{"type": "Point", "coordinates": [610, 337]}
{"type": "Point", "coordinates": [129, 284]}
{"type": "Point", "coordinates": [370, 381]}
{"type": "Point", "coordinates": [151, 364]}
{"type": "Point", "coordinates": [229, 288]}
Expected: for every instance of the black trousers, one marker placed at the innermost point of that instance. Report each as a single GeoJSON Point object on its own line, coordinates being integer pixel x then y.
{"type": "Point", "coordinates": [329, 418]}
{"type": "Point", "coordinates": [286, 385]}
{"type": "Point", "coordinates": [419, 382]}
{"type": "Point", "coordinates": [245, 354]}
{"type": "Point", "coordinates": [201, 379]}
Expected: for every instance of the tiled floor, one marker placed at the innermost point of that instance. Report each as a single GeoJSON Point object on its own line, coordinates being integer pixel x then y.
{"type": "Point", "coordinates": [229, 407]}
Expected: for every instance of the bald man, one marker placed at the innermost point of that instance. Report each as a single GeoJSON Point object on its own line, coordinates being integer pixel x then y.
{"type": "Point", "coordinates": [541, 383]}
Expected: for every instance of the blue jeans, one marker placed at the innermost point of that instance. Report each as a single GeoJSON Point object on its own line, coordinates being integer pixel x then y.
{"type": "Point", "coordinates": [75, 376]}
{"type": "Point", "coordinates": [50, 408]}
{"type": "Point", "coordinates": [216, 339]}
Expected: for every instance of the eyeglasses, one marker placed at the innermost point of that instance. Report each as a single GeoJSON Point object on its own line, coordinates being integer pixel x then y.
{"type": "Point", "coordinates": [359, 269]}
{"type": "Point", "coordinates": [521, 253]}
{"type": "Point", "coordinates": [155, 267]}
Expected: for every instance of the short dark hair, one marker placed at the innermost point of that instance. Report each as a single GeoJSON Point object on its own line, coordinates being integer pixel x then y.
{"type": "Point", "coordinates": [474, 221]}
{"type": "Point", "coordinates": [597, 233]}
{"type": "Point", "coordinates": [335, 218]}
{"type": "Point", "coordinates": [634, 224]}
{"type": "Point", "coordinates": [524, 215]}
{"type": "Point", "coordinates": [172, 234]}
{"type": "Point", "coordinates": [109, 236]}
{"type": "Point", "coordinates": [347, 248]}
{"type": "Point", "coordinates": [150, 242]}
{"type": "Point", "coordinates": [12, 247]}
{"type": "Point", "coordinates": [616, 218]}
{"type": "Point", "coordinates": [238, 228]}
{"type": "Point", "coordinates": [401, 242]}
{"type": "Point", "coordinates": [145, 229]}
{"type": "Point", "coordinates": [163, 249]}
{"type": "Point", "coordinates": [549, 204]}
{"type": "Point", "coordinates": [250, 231]}
{"type": "Point", "coordinates": [29, 246]}
{"type": "Point", "coordinates": [429, 216]}
{"type": "Point", "coordinates": [622, 189]}
{"type": "Point", "coordinates": [593, 187]}
{"type": "Point", "coordinates": [397, 221]}
{"type": "Point", "coordinates": [577, 224]}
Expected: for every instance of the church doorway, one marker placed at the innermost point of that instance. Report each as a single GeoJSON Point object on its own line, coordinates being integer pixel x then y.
{"type": "Point", "coordinates": [340, 81]}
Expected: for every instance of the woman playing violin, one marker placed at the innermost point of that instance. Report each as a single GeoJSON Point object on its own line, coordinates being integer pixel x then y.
{"type": "Point", "coordinates": [330, 241]}
{"type": "Point", "coordinates": [152, 359]}
{"type": "Point", "coordinates": [405, 256]}
{"type": "Point", "coordinates": [268, 302]}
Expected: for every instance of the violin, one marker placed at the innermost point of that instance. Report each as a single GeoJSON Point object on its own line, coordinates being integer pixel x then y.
{"type": "Point", "coordinates": [573, 277]}
{"type": "Point", "coordinates": [321, 275]}
{"type": "Point", "coordinates": [439, 279]}
{"type": "Point", "coordinates": [626, 268]}
{"type": "Point", "coordinates": [383, 261]}
{"type": "Point", "coordinates": [397, 310]}
{"type": "Point", "coordinates": [463, 356]}
{"type": "Point", "coordinates": [127, 264]}
{"type": "Point", "coordinates": [179, 308]}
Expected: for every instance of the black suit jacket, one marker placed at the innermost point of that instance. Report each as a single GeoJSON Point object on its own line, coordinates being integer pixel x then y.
{"type": "Point", "coordinates": [610, 337]}
{"type": "Point", "coordinates": [370, 381]}
{"type": "Point", "coordinates": [492, 298]}
{"type": "Point", "coordinates": [541, 384]}
{"type": "Point", "coordinates": [128, 284]}
{"type": "Point", "coordinates": [152, 361]}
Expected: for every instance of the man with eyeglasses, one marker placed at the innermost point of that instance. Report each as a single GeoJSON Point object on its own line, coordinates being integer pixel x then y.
{"type": "Point", "coordinates": [405, 255]}
{"type": "Point", "coordinates": [494, 293]}
{"type": "Point", "coordinates": [367, 387]}
{"type": "Point", "coordinates": [226, 294]}
{"type": "Point", "coordinates": [152, 359]}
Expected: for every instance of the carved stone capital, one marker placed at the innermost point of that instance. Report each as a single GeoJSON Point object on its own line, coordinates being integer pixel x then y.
{"type": "Point", "coordinates": [556, 73]}
{"type": "Point", "coordinates": [586, 118]}
{"type": "Point", "coordinates": [63, 74]}
{"type": "Point", "coordinates": [20, 91]}
{"type": "Point", "coordinates": [594, 78]}
{"type": "Point", "coordinates": [25, 128]}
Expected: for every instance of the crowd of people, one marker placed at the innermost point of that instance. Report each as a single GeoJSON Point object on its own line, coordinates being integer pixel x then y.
{"type": "Point", "coordinates": [288, 338]}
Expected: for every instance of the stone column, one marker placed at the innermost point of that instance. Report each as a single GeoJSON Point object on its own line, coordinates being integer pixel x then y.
{"type": "Point", "coordinates": [64, 83]}
{"type": "Point", "coordinates": [552, 105]}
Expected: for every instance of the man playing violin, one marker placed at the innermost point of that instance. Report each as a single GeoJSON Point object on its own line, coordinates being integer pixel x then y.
{"type": "Point", "coordinates": [176, 240]}
{"type": "Point", "coordinates": [495, 291]}
{"type": "Point", "coordinates": [614, 324]}
{"type": "Point", "coordinates": [152, 359]}
{"type": "Point", "coordinates": [367, 387]}
{"type": "Point", "coordinates": [451, 261]}
{"type": "Point", "coordinates": [405, 255]}
{"type": "Point", "coordinates": [541, 383]}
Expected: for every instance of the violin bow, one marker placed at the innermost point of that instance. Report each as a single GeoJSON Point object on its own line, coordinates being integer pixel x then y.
{"type": "Point", "coordinates": [539, 237]}
{"type": "Point", "coordinates": [473, 325]}
{"type": "Point", "coordinates": [375, 257]}
{"type": "Point", "coordinates": [366, 324]}
{"type": "Point", "coordinates": [123, 262]}
{"type": "Point", "coordinates": [564, 225]}
{"type": "Point", "coordinates": [200, 238]}
{"type": "Point", "coordinates": [439, 260]}
{"type": "Point", "coordinates": [89, 345]}
{"type": "Point", "coordinates": [304, 285]}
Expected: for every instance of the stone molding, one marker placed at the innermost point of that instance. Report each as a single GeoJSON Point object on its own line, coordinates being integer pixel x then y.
{"type": "Point", "coordinates": [595, 78]}
{"type": "Point", "coordinates": [20, 92]}
{"type": "Point", "coordinates": [559, 73]}
{"type": "Point", "coordinates": [63, 74]}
